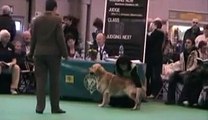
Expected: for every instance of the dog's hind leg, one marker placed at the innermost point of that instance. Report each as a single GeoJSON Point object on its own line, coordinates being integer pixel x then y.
{"type": "Point", "coordinates": [105, 100]}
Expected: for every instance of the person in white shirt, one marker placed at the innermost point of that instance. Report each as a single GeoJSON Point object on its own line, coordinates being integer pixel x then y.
{"type": "Point", "coordinates": [202, 50]}
{"type": "Point", "coordinates": [203, 37]}
{"type": "Point", "coordinates": [26, 36]}
{"type": "Point", "coordinates": [101, 46]}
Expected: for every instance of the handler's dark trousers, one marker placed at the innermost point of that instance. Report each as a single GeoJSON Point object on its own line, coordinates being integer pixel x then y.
{"type": "Point", "coordinates": [47, 67]}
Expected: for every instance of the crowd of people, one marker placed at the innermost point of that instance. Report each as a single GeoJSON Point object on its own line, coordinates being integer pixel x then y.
{"type": "Point", "coordinates": [49, 40]}
{"type": "Point", "coordinates": [175, 61]}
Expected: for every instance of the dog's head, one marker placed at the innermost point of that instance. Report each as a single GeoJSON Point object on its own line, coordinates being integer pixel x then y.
{"type": "Point", "coordinates": [96, 69]}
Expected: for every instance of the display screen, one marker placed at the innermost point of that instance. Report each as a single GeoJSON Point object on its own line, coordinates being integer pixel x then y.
{"type": "Point", "coordinates": [18, 26]}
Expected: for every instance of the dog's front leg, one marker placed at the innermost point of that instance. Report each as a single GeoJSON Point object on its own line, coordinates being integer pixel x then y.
{"type": "Point", "coordinates": [105, 99]}
{"type": "Point", "coordinates": [138, 99]}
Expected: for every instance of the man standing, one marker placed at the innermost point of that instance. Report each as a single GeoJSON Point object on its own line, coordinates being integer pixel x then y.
{"type": "Point", "coordinates": [47, 47]}
{"type": "Point", "coordinates": [193, 32]}
{"type": "Point", "coordinates": [6, 22]}
{"type": "Point", "coordinates": [154, 58]}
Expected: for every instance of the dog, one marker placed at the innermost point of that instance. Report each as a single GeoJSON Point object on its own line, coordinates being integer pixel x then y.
{"type": "Point", "coordinates": [109, 84]}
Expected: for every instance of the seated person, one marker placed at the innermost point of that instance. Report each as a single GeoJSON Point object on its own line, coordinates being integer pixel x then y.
{"type": "Point", "coordinates": [187, 63]}
{"type": "Point", "coordinates": [73, 51]}
{"type": "Point", "coordinates": [202, 37]}
{"type": "Point", "coordinates": [125, 68]}
{"type": "Point", "coordinates": [202, 50]}
{"type": "Point", "coordinates": [20, 55]}
{"type": "Point", "coordinates": [70, 27]}
{"type": "Point", "coordinates": [203, 97]}
{"type": "Point", "coordinates": [98, 24]}
{"type": "Point", "coordinates": [8, 60]}
{"type": "Point", "coordinates": [26, 38]}
{"type": "Point", "coordinates": [196, 78]}
{"type": "Point", "coordinates": [101, 47]}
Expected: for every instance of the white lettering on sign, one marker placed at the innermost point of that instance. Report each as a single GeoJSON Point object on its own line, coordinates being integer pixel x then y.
{"type": "Point", "coordinates": [117, 0]}
{"type": "Point", "coordinates": [129, 0]}
{"type": "Point", "coordinates": [113, 36]}
{"type": "Point", "coordinates": [114, 9]}
{"type": "Point", "coordinates": [126, 37]}
{"type": "Point", "coordinates": [113, 19]}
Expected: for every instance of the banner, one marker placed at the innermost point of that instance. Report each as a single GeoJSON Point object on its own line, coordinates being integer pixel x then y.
{"type": "Point", "coordinates": [125, 24]}
{"type": "Point", "coordinates": [77, 83]}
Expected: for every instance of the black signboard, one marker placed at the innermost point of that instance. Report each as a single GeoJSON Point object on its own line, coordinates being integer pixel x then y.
{"type": "Point", "coordinates": [125, 24]}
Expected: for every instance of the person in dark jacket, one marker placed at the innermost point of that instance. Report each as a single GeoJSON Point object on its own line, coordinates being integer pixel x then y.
{"type": "Point", "coordinates": [6, 22]}
{"type": "Point", "coordinates": [8, 60]}
{"type": "Point", "coordinates": [125, 68]}
{"type": "Point", "coordinates": [70, 27]}
{"type": "Point", "coordinates": [20, 54]}
{"type": "Point", "coordinates": [98, 24]}
{"type": "Point", "coordinates": [154, 58]}
{"type": "Point", "coordinates": [186, 65]}
{"type": "Point", "coordinates": [193, 32]}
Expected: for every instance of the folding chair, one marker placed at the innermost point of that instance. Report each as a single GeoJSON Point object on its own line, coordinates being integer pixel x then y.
{"type": "Point", "coordinates": [27, 80]}
{"type": "Point", "coordinates": [164, 89]}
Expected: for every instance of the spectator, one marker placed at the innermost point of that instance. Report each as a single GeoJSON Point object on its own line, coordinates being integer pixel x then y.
{"type": "Point", "coordinates": [73, 51]}
{"type": "Point", "coordinates": [187, 63]}
{"type": "Point", "coordinates": [193, 32]}
{"type": "Point", "coordinates": [193, 84]}
{"type": "Point", "coordinates": [6, 22]}
{"type": "Point", "coordinates": [47, 47]}
{"type": "Point", "coordinates": [98, 24]}
{"type": "Point", "coordinates": [167, 50]}
{"type": "Point", "coordinates": [26, 36]}
{"type": "Point", "coordinates": [202, 50]}
{"type": "Point", "coordinates": [20, 55]}
{"type": "Point", "coordinates": [203, 37]}
{"type": "Point", "coordinates": [70, 26]}
{"type": "Point", "coordinates": [196, 78]}
{"type": "Point", "coordinates": [101, 47]}
{"type": "Point", "coordinates": [8, 60]}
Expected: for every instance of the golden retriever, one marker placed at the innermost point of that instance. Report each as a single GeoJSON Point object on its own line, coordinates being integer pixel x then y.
{"type": "Point", "coordinates": [109, 84]}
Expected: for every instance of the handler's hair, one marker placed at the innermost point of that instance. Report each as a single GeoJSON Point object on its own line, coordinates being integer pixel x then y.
{"type": "Point", "coordinates": [123, 60]}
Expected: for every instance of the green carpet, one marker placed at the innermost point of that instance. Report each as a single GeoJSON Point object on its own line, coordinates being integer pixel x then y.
{"type": "Point", "coordinates": [22, 107]}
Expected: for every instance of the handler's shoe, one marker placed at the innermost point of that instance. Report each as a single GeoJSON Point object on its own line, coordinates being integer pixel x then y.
{"type": "Point", "coordinates": [60, 111]}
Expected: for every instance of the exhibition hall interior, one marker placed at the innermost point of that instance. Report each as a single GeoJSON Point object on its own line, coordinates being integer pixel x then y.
{"type": "Point", "coordinates": [103, 59]}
